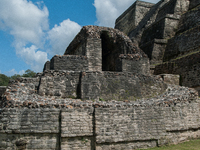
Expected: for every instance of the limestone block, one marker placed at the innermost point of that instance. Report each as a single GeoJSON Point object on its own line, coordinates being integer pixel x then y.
{"type": "Point", "coordinates": [77, 122]}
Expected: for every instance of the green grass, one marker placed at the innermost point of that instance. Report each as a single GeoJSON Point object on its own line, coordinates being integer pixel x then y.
{"type": "Point", "coordinates": [190, 145]}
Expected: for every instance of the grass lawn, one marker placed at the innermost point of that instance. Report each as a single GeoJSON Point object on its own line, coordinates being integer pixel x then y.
{"type": "Point", "coordinates": [190, 145]}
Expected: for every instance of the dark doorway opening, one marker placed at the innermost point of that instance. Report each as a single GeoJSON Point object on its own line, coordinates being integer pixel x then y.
{"type": "Point", "coordinates": [110, 54]}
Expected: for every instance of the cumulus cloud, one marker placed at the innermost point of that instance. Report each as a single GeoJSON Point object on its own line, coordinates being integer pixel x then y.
{"type": "Point", "coordinates": [107, 11]}
{"type": "Point", "coordinates": [24, 20]}
{"type": "Point", "coordinates": [27, 23]}
{"type": "Point", "coordinates": [61, 35]}
{"type": "Point", "coordinates": [33, 57]}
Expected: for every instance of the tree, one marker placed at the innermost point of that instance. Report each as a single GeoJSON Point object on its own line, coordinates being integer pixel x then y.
{"type": "Point", "coordinates": [29, 73]}
{"type": "Point", "coordinates": [4, 80]}
{"type": "Point", "coordinates": [15, 76]}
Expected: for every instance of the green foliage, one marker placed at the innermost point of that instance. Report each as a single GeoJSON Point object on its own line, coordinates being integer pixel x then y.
{"type": "Point", "coordinates": [15, 76]}
{"type": "Point", "coordinates": [29, 73]}
{"type": "Point", "coordinates": [5, 79]}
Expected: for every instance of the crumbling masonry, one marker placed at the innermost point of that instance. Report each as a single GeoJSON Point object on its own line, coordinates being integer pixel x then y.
{"type": "Point", "coordinates": [110, 89]}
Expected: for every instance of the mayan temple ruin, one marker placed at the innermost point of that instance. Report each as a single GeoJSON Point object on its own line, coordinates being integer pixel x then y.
{"type": "Point", "coordinates": [135, 86]}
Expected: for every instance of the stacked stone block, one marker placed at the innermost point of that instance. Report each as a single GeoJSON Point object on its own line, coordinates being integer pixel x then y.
{"type": "Point", "coordinates": [182, 52]}
{"type": "Point", "coordinates": [129, 20]}
{"type": "Point", "coordinates": [104, 125]}
{"type": "Point", "coordinates": [158, 25]}
{"type": "Point", "coordinates": [119, 86]}
{"type": "Point", "coordinates": [69, 62]}
{"type": "Point", "coordinates": [60, 83]}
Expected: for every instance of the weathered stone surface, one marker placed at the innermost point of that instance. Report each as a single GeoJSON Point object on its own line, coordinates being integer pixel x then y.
{"type": "Point", "coordinates": [159, 23]}
{"type": "Point", "coordinates": [103, 46]}
{"type": "Point", "coordinates": [69, 62]}
{"type": "Point", "coordinates": [186, 66]}
{"type": "Point", "coordinates": [194, 3]}
{"type": "Point", "coordinates": [119, 86]}
{"type": "Point", "coordinates": [60, 83]}
{"type": "Point", "coordinates": [181, 44]}
{"type": "Point", "coordinates": [2, 90]}
{"type": "Point", "coordinates": [113, 124]}
{"type": "Point", "coordinates": [83, 119]}
{"type": "Point", "coordinates": [132, 16]}
{"type": "Point", "coordinates": [170, 78]}
{"type": "Point", "coordinates": [121, 106]}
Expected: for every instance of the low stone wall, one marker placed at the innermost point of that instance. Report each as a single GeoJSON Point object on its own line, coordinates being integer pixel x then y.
{"type": "Point", "coordinates": [167, 119]}
{"type": "Point", "coordinates": [60, 83]}
{"type": "Point", "coordinates": [132, 64]}
{"type": "Point", "coordinates": [87, 85]}
{"type": "Point", "coordinates": [69, 62]}
{"type": "Point", "coordinates": [119, 86]}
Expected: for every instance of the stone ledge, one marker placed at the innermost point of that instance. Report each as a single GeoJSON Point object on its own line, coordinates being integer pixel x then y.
{"type": "Point", "coordinates": [173, 95]}
{"type": "Point", "coordinates": [158, 41]}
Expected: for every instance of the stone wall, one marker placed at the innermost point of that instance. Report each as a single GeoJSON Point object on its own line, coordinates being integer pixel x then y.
{"type": "Point", "coordinates": [155, 50]}
{"type": "Point", "coordinates": [181, 44]}
{"type": "Point", "coordinates": [119, 86]}
{"type": "Point", "coordinates": [69, 62]}
{"type": "Point", "coordinates": [181, 55]}
{"type": "Point", "coordinates": [187, 36]}
{"type": "Point", "coordinates": [2, 90]}
{"type": "Point", "coordinates": [131, 64]}
{"type": "Point", "coordinates": [60, 83]}
{"type": "Point", "coordinates": [186, 66]}
{"type": "Point", "coordinates": [167, 119]}
{"type": "Point", "coordinates": [103, 46]}
{"type": "Point", "coordinates": [132, 16]}
{"type": "Point", "coordinates": [194, 3]}
{"type": "Point", "coordinates": [189, 20]}
{"type": "Point", "coordinates": [148, 19]}
{"type": "Point", "coordinates": [158, 24]}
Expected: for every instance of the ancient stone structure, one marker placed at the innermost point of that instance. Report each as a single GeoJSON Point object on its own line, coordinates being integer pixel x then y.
{"type": "Point", "coordinates": [96, 65]}
{"type": "Point", "coordinates": [100, 95]}
{"type": "Point", "coordinates": [169, 34]}
{"type": "Point", "coordinates": [156, 26]}
{"type": "Point", "coordinates": [31, 121]}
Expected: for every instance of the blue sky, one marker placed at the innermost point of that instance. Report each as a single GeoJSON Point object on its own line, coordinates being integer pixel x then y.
{"type": "Point", "coordinates": [32, 31]}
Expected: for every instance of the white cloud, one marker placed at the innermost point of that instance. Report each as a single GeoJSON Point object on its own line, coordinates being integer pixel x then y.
{"type": "Point", "coordinates": [33, 57]}
{"type": "Point", "coordinates": [107, 11]}
{"type": "Point", "coordinates": [61, 35]}
{"type": "Point", "coordinates": [13, 71]}
{"type": "Point", "coordinates": [28, 24]}
{"type": "Point", "coordinates": [24, 20]}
